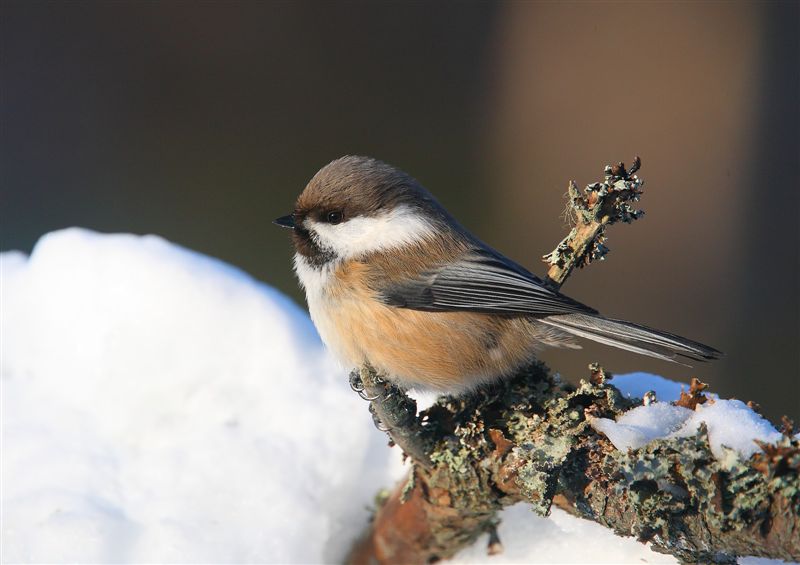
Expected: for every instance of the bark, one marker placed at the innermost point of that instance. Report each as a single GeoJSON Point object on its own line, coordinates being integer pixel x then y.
{"type": "Point", "coordinates": [529, 439]}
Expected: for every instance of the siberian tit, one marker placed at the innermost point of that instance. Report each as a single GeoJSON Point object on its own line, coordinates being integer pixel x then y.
{"type": "Point", "coordinates": [393, 280]}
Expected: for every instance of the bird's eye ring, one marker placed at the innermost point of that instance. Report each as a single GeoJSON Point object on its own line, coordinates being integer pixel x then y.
{"type": "Point", "coordinates": [334, 217]}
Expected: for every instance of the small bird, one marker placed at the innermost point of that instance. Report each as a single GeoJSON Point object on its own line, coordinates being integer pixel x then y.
{"type": "Point", "coordinates": [393, 280]}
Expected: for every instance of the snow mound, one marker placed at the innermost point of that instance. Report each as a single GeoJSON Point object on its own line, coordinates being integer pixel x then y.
{"type": "Point", "coordinates": [162, 406]}
{"type": "Point", "coordinates": [159, 405]}
{"type": "Point", "coordinates": [731, 424]}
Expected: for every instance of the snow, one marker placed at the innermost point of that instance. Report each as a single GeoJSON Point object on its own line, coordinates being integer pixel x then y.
{"type": "Point", "coordinates": [641, 425]}
{"type": "Point", "coordinates": [730, 423]}
{"type": "Point", "coordinates": [635, 385]}
{"type": "Point", "coordinates": [560, 538]}
{"type": "Point", "coordinates": [162, 406]}
{"type": "Point", "coordinates": [159, 405]}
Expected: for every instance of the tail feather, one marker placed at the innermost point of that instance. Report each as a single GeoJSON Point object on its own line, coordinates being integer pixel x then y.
{"type": "Point", "coordinates": [632, 337]}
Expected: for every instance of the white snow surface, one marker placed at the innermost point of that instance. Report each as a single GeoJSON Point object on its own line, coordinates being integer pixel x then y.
{"type": "Point", "coordinates": [635, 385]}
{"type": "Point", "coordinates": [162, 406]}
{"type": "Point", "coordinates": [731, 424]}
{"type": "Point", "coordinates": [643, 424]}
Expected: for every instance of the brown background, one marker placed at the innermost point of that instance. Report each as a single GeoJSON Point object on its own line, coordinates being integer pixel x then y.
{"type": "Point", "coordinates": [202, 121]}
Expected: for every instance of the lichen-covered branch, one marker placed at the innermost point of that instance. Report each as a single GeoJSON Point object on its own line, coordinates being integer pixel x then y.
{"type": "Point", "coordinates": [530, 439]}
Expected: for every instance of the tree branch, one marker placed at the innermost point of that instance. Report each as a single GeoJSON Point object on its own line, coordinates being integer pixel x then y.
{"type": "Point", "coordinates": [530, 439]}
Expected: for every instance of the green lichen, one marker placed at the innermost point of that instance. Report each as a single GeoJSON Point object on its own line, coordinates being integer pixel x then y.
{"type": "Point", "coordinates": [456, 458]}
{"type": "Point", "coordinates": [409, 486]}
{"type": "Point", "coordinates": [538, 486]}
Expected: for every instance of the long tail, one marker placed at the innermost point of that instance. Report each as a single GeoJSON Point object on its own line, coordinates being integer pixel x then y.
{"type": "Point", "coordinates": [632, 337]}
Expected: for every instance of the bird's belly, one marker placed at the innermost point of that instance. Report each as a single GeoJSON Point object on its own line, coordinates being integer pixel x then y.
{"type": "Point", "coordinates": [445, 351]}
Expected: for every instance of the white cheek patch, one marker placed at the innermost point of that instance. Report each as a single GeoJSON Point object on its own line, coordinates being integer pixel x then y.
{"type": "Point", "coordinates": [402, 226]}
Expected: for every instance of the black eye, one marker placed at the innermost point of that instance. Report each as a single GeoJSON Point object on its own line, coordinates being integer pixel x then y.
{"type": "Point", "coordinates": [334, 217]}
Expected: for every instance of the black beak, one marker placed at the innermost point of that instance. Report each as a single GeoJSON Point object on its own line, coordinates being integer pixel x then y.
{"type": "Point", "coordinates": [285, 221]}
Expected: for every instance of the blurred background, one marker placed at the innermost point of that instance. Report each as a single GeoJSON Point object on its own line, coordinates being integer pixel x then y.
{"type": "Point", "coordinates": [201, 122]}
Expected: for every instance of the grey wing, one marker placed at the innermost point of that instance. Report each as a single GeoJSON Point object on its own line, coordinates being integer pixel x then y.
{"type": "Point", "coordinates": [481, 281]}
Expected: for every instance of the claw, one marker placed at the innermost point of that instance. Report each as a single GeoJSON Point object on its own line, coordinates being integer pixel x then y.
{"type": "Point", "coordinates": [356, 384]}
{"type": "Point", "coordinates": [381, 426]}
{"type": "Point", "coordinates": [377, 421]}
{"type": "Point", "coordinates": [363, 394]}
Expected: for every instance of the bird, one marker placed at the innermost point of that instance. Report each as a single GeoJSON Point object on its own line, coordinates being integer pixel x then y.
{"type": "Point", "coordinates": [394, 281]}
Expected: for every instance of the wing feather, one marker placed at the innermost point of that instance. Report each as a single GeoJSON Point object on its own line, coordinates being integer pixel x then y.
{"type": "Point", "coordinates": [481, 281]}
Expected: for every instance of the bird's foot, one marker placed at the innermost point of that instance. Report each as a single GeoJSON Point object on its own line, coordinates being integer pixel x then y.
{"type": "Point", "coordinates": [373, 391]}
{"type": "Point", "coordinates": [387, 401]}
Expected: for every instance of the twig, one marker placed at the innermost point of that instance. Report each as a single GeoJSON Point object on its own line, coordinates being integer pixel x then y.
{"type": "Point", "coordinates": [602, 204]}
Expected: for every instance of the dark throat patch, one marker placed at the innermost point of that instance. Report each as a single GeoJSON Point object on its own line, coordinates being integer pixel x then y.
{"type": "Point", "coordinates": [308, 248]}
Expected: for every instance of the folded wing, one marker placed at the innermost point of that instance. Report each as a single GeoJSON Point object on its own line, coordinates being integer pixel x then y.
{"type": "Point", "coordinates": [485, 281]}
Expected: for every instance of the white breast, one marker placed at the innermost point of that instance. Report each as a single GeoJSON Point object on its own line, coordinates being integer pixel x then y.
{"type": "Point", "coordinates": [315, 281]}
